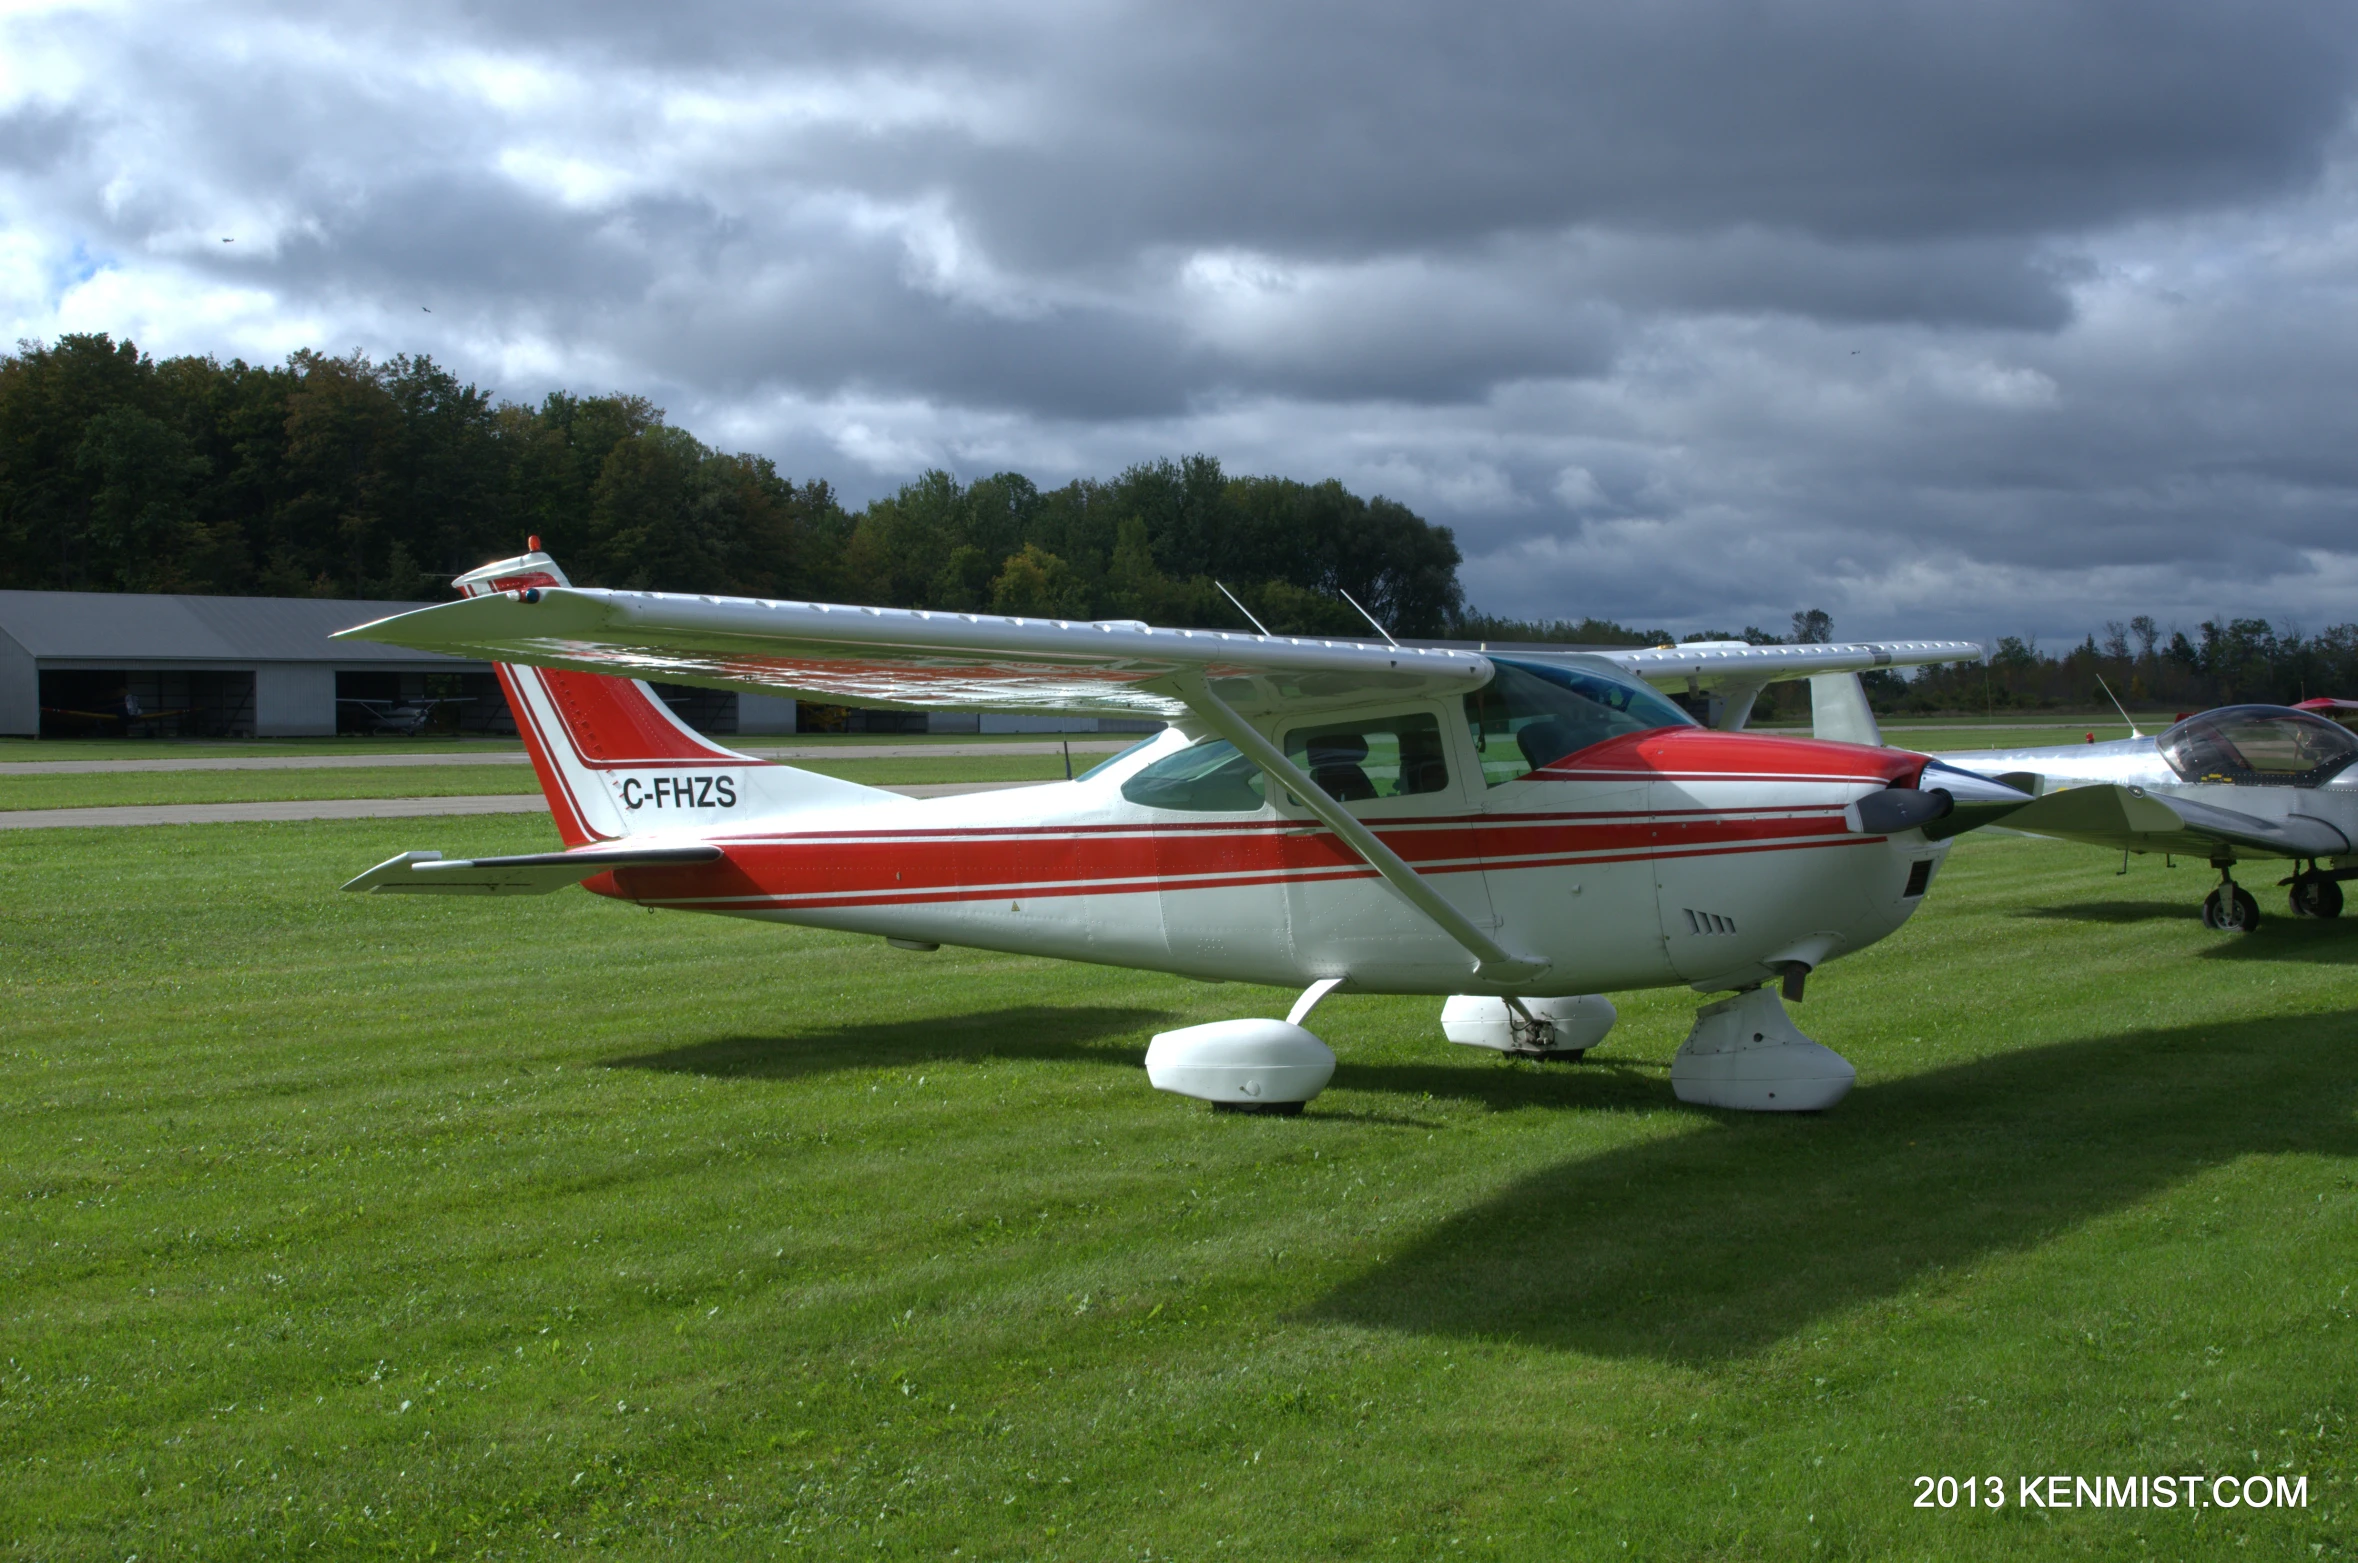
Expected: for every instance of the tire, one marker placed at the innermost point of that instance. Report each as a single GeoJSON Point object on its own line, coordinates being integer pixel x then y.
{"type": "Point", "coordinates": [2230, 909]}
{"type": "Point", "coordinates": [2314, 895]}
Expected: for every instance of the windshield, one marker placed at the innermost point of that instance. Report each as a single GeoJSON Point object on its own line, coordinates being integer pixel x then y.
{"type": "Point", "coordinates": [1530, 715]}
{"type": "Point", "coordinates": [2258, 746]}
{"type": "Point", "coordinates": [1116, 759]}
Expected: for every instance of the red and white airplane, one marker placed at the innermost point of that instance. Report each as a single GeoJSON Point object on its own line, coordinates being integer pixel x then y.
{"type": "Point", "coordinates": [1522, 833]}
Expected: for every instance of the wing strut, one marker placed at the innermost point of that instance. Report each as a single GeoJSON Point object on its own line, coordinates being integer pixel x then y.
{"type": "Point", "coordinates": [1492, 960]}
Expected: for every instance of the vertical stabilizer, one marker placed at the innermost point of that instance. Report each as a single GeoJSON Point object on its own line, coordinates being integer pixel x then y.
{"type": "Point", "coordinates": [614, 761]}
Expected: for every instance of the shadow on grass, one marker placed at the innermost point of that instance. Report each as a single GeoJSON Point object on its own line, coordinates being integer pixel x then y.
{"type": "Point", "coordinates": [1605, 1085]}
{"type": "Point", "coordinates": [2280, 936]}
{"type": "Point", "coordinates": [1060, 1035]}
{"type": "Point", "coordinates": [2286, 938]}
{"type": "Point", "coordinates": [1715, 1244]}
{"type": "Point", "coordinates": [2118, 912]}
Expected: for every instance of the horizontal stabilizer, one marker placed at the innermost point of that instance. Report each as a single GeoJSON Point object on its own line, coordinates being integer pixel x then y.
{"type": "Point", "coordinates": [430, 873]}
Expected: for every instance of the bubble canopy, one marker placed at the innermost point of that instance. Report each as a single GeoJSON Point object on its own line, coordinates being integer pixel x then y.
{"type": "Point", "coordinates": [2264, 746]}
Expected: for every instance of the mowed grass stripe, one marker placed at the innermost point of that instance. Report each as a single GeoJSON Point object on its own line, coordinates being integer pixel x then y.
{"type": "Point", "coordinates": [714, 1238]}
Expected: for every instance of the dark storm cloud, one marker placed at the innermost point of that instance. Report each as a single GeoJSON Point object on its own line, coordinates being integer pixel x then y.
{"type": "Point", "coordinates": [496, 244]}
{"type": "Point", "coordinates": [1671, 303]}
{"type": "Point", "coordinates": [1376, 123]}
{"type": "Point", "coordinates": [34, 139]}
{"type": "Point", "coordinates": [1345, 130]}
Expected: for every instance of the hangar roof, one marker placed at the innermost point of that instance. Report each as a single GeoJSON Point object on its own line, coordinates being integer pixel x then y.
{"type": "Point", "coordinates": [160, 627]}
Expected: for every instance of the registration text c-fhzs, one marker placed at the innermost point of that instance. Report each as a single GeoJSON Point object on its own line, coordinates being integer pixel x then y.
{"type": "Point", "coordinates": [678, 792]}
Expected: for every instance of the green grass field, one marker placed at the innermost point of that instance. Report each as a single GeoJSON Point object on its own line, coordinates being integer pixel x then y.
{"type": "Point", "coordinates": [439, 781]}
{"type": "Point", "coordinates": [360, 1227]}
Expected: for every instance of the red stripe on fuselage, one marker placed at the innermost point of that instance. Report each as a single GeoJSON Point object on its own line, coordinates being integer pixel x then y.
{"type": "Point", "coordinates": [895, 868]}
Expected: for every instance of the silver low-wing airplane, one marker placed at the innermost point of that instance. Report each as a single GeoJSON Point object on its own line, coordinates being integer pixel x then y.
{"type": "Point", "coordinates": [1519, 833]}
{"type": "Point", "coordinates": [2227, 786]}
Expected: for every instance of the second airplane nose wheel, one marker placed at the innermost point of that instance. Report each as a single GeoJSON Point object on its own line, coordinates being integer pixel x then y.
{"type": "Point", "coordinates": [2315, 895]}
{"type": "Point", "coordinates": [2230, 909]}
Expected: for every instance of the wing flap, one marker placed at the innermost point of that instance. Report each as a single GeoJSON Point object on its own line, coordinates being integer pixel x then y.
{"type": "Point", "coordinates": [430, 873]}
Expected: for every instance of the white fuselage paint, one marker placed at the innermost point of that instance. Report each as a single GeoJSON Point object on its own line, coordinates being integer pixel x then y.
{"type": "Point", "coordinates": [1618, 883]}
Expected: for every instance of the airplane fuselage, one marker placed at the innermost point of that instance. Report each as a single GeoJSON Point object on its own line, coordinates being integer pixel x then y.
{"type": "Point", "coordinates": [1689, 858]}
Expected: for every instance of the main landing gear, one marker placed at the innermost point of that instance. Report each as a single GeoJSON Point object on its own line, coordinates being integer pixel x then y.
{"type": "Point", "coordinates": [2316, 892]}
{"type": "Point", "coordinates": [2230, 908]}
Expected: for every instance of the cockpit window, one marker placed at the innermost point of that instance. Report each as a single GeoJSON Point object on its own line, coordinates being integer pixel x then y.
{"type": "Point", "coordinates": [2258, 746]}
{"type": "Point", "coordinates": [1530, 715]}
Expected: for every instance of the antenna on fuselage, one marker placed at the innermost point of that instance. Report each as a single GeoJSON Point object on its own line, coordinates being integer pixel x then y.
{"type": "Point", "coordinates": [1247, 612]}
{"type": "Point", "coordinates": [1369, 617]}
{"type": "Point", "coordinates": [2117, 706]}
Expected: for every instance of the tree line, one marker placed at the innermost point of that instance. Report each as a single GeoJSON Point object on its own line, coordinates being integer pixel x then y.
{"type": "Point", "coordinates": [346, 477]}
{"type": "Point", "coordinates": [2227, 661]}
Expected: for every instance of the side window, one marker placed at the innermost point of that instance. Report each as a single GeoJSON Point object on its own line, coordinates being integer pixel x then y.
{"type": "Point", "coordinates": [1373, 758]}
{"type": "Point", "coordinates": [1205, 778]}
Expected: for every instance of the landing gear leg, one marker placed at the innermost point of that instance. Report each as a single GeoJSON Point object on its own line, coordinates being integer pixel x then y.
{"type": "Point", "coordinates": [2230, 908]}
{"type": "Point", "coordinates": [1534, 1036]}
{"type": "Point", "coordinates": [2315, 893]}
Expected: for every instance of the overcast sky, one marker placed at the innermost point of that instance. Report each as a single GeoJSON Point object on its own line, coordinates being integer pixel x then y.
{"type": "Point", "coordinates": [1973, 319]}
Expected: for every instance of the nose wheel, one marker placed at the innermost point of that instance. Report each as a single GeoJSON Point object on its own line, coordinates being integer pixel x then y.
{"type": "Point", "coordinates": [2230, 908]}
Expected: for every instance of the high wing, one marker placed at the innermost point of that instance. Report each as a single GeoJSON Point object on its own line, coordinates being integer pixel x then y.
{"type": "Point", "coordinates": [2133, 819]}
{"type": "Point", "coordinates": [1715, 665]}
{"type": "Point", "coordinates": [430, 873]}
{"type": "Point", "coordinates": [913, 659]}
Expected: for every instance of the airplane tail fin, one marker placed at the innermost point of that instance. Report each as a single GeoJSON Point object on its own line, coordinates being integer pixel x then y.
{"type": "Point", "coordinates": [614, 761]}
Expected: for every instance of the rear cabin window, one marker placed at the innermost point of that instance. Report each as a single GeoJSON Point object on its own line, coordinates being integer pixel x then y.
{"type": "Point", "coordinates": [1530, 715]}
{"type": "Point", "coordinates": [2259, 746]}
{"type": "Point", "coordinates": [1204, 778]}
{"type": "Point", "coordinates": [1373, 758]}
